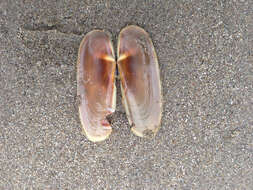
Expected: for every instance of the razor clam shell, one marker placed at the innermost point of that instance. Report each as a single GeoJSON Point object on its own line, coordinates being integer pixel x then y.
{"type": "Point", "coordinates": [96, 84]}
{"type": "Point", "coordinates": [140, 80]}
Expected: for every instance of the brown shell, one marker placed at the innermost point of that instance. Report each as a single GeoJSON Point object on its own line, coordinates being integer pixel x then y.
{"type": "Point", "coordinates": [140, 80]}
{"type": "Point", "coordinates": [95, 84]}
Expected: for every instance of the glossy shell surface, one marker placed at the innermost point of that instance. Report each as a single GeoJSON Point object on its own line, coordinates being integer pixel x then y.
{"type": "Point", "coordinates": [140, 80]}
{"type": "Point", "coordinates": [95, 84]}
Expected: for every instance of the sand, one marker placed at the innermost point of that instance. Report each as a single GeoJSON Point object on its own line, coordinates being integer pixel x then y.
{"type": "Point", "coordinates": [206, 63]}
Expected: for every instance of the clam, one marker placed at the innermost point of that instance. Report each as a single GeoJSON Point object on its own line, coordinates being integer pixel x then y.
{"type": "Point", "coordinates": [140, 81]}
{"type": "Point", "coordinates": [96, 89]}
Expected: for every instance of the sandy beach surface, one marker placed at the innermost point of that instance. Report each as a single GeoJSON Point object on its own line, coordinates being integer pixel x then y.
{"type": "Point", "coordinates": [205, 52]}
